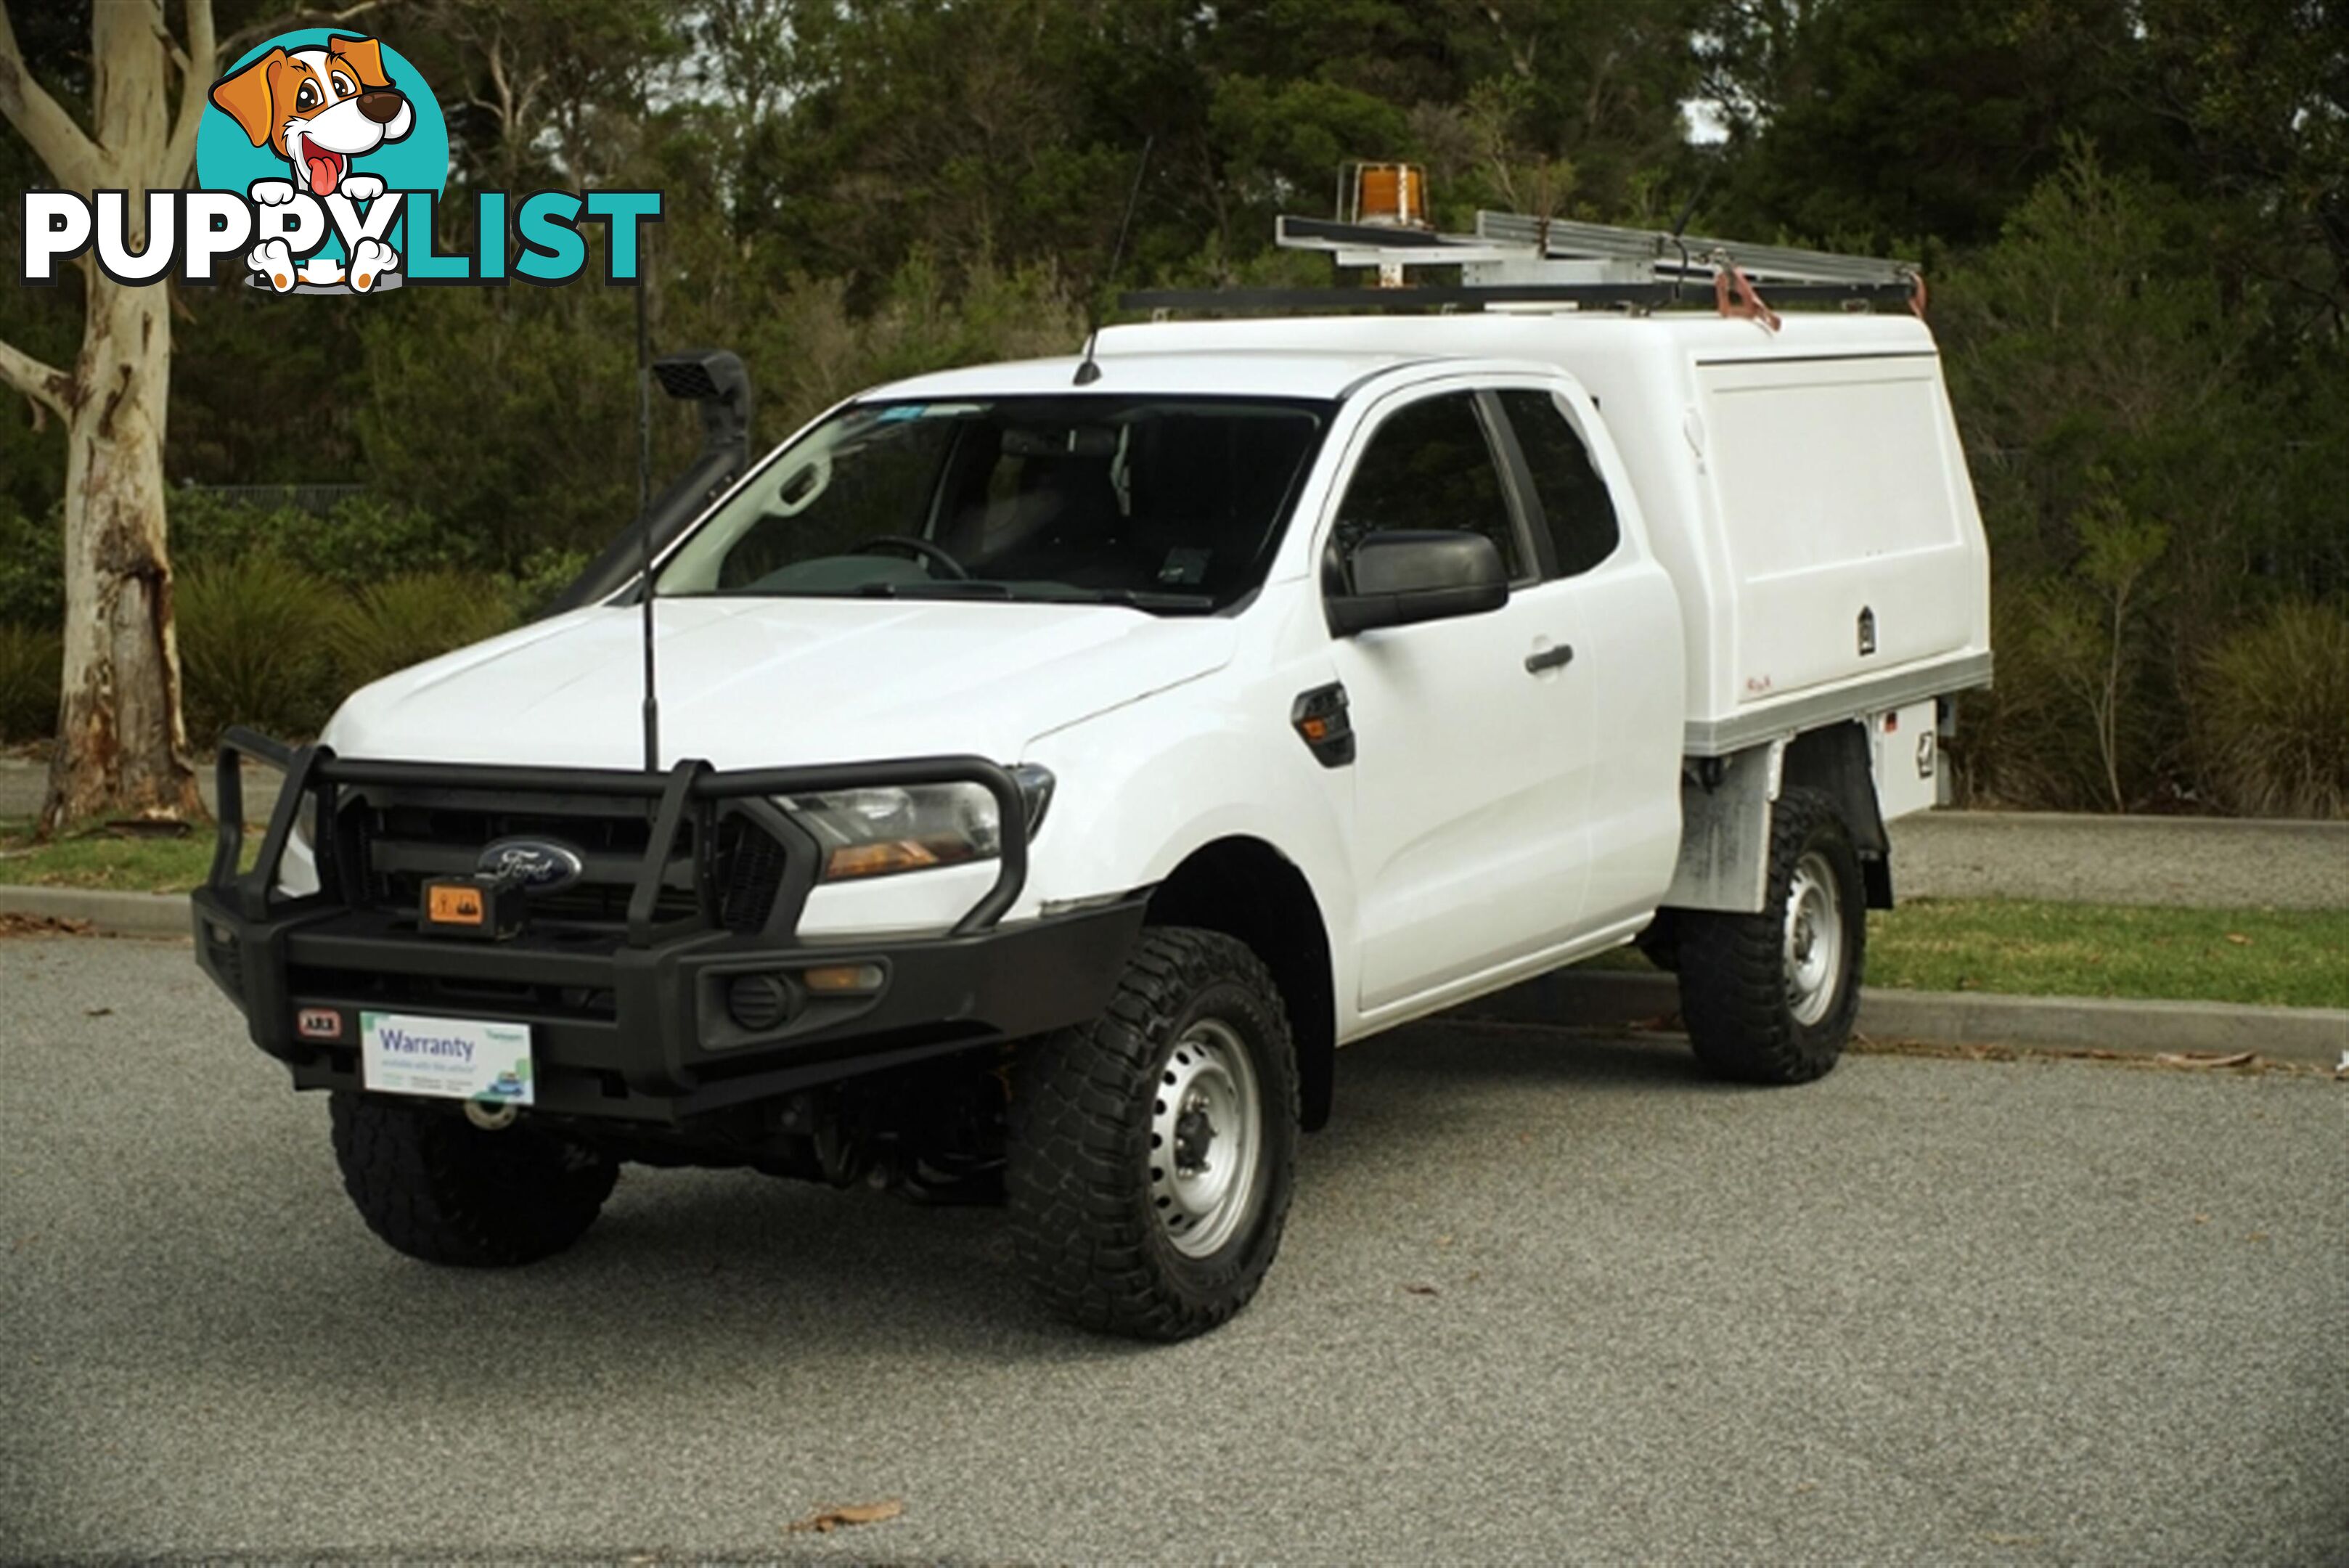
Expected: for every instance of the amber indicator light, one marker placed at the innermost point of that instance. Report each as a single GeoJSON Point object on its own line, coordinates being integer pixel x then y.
{"type": "Point", "coordinates": [452, 906]}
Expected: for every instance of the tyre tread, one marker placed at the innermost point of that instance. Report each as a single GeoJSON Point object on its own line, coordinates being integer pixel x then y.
{"type": "Point", "coordinates": [1084, 1242]}
{"type": "Point", "coordinates": [1732, 966]}
{"type": "Point", "coordinates": [437, 1189]}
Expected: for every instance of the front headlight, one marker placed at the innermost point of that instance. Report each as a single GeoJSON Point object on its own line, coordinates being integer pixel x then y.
{"type": "Point", "coordinates": [883, 831]}
{"type": "Point", "coordinates": [297, 868]}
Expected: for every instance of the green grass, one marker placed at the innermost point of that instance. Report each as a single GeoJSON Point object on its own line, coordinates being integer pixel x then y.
{"type": "Point", "coordinates": [2263, 956]}
{"type": "Point", "coordinates": [2279, 958]}
{"type": "Point", "coordinates": [119, 864]}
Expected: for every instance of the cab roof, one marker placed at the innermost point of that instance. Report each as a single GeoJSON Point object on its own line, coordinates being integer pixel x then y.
{"type": "Point", "coordinates": [1327, 356]}
{"type": "Point", "coordinates": [1210, 369]}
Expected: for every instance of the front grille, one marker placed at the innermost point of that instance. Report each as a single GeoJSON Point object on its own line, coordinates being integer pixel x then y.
{"type": "Point", "coordinates": [606, 904]}
{"type": "Point", "coordinates": [398, 843]}
{"type": "Point", "coordinates": [749, 876]}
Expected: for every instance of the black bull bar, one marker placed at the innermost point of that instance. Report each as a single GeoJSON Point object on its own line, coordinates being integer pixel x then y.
{"type": "Point", "coordinates": [630, 1020]}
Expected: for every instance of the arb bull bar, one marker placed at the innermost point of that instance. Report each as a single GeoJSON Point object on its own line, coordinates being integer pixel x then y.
{"type": "Point", "coordinates": [695, 880]}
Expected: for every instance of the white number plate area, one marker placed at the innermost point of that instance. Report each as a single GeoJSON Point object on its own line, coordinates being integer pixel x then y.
{"type": "Point", "coordinates": [454, 1058]}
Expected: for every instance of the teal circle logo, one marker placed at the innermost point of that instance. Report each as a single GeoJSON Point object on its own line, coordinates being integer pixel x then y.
{"type": "Point", "coordinates": [328, 114]}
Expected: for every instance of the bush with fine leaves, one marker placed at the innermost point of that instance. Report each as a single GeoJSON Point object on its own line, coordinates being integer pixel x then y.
{"type": "Point", "coordinates": [406, 620]}
{"type": "Point", "coordinates": [2273, 718]}
{"type": "Point", "coordinates": [363, 539]}
{"type": "Point", "coordinates": [256, 634]}
{"type": "Point", "coordinates": [32, 569]}
{"type": "Point", "coordinates": [29, 662]}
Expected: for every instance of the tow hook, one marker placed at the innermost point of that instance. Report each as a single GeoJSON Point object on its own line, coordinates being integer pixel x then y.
{"type": "Point", "coordinates": [492, 1117]}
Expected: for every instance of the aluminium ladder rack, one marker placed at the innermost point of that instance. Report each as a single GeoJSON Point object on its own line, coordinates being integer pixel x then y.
{"type": "Point", "coordinates": [1513, 260]}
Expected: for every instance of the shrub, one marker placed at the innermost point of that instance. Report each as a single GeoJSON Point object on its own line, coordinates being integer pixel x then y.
{"type": "Point", "coordinates": [543, 576]}
{"type": "Point", "coordinates": [2082, 715]}
{"type": "Point", "coordinates": [30, 663]}
{"type": "Point", "coordinates": [255, 634]}
{"type": "Point", "coordinates": [365, 540]}
{"type": "Point", "coordinates": [2272, 715]}
{"type": "Point", "coordinates": [207, 530]}
{"type": "Point", "coordinates": [512, 418]}
{"type": "Point", "coordinates": [408, 619]}
{"type": "Point", "coordinates": [362, 540]}
{"type": "Point", "coordinates": [32, 568]}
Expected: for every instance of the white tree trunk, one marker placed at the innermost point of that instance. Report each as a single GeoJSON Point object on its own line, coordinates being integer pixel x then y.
{"type": "Point", "coordinates": [122, 741]}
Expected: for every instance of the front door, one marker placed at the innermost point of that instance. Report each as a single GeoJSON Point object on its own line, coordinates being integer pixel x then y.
{"type": "Point", "coordinates": [1469, 845]}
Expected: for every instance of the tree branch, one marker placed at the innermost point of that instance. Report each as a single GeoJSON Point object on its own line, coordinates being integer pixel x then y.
{"type": "Point", "coordinates": [238, 42]}
{"type": "Point", "coordinates": [46, 385]}
{"type": "Point", "coordinates": [196, 88]}
{"type": "Point", "coordinates": [72, 158]}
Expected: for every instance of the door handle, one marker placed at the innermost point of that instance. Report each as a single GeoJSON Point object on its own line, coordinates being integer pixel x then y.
{"type": "Point", "coordinates": [1557, 657]}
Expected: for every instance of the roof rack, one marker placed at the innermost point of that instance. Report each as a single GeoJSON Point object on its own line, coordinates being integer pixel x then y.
{"type": "Point", "coordinates": [1512, 260]}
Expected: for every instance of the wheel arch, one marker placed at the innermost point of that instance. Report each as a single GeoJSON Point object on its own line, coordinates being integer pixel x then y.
{"type": "Point", "coordinates": [1248, 890]}
{"type": "Point", "coordinates": [1835, 761]}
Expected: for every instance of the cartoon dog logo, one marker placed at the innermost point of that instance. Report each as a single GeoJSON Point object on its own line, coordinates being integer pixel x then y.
{"type": "Point", "coordinates": [318, 109]}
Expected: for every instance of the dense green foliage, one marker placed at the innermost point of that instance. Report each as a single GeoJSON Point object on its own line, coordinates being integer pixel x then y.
{"type": "Point", "coordinates": [266, 640]}
{"type": "Point", "coordinates": [254, 640]}
{"type": "Point", "coordinates": [2275, 714]}
{"type": "Point", "coordinates": [29, 658]}
{"type": "Point", "coordinates": [2135, 214]}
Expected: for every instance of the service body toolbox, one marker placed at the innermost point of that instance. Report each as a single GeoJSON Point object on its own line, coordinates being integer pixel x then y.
{"type": "Point", "coordinates": [1057, 762]}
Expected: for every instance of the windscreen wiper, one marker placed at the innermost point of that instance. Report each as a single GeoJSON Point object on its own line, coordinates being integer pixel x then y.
{"type": "Point", "coordinates": [1146, 599]}
{"type": "Point", "coordinates": [948, 588]}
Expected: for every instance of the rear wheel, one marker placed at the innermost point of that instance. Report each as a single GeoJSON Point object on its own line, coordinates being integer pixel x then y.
{"type": "Point", "coordinates": [1153, 1151]}
{"type": "Point", "coordinates": [438, 1187]}
{"type": "Point", "coordinates": [1769, 998]}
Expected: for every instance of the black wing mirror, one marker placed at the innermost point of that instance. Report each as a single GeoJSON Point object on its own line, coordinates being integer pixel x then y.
{"type": "Point", "coordinates": [1402, 576]}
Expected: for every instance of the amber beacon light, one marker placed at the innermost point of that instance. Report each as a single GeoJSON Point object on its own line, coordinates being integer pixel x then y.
{"type": "Point", "coordinates": [1390, 195]}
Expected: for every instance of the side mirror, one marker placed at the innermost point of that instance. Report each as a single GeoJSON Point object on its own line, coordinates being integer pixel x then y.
{"type": "Point", "coordinates": [1403, 577]}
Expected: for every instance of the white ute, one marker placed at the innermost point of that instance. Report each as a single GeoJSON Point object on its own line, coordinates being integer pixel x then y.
{"type": "Point", "coordinates": [1266, 683]}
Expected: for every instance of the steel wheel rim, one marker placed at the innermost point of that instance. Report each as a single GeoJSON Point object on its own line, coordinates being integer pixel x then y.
{"type": "Point", "coordinates": [1207, 1140]}
{"type": "Point", "coordinates": [1814, 946]}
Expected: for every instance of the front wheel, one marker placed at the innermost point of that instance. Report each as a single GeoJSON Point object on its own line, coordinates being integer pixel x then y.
{"type": "Point", "coordinates": [1769, 998]}
{"type": "Point", "coordinates": [1153, 1151]}
{"type": "Point", "coordinates": [438, 1187]}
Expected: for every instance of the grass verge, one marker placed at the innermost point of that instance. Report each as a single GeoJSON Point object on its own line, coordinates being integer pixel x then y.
{"type": "Point", "coordinates": [117, 863]}
{"type": "Point", "coordinates": [2272, 958]}
{"type": "Point", "coordinates": [2266, 958]}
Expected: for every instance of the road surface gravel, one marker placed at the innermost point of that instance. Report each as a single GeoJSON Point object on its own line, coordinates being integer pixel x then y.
{"type": "Point", "coordinates": [1543, 1297]}
{"type": "Point", "coordinates": [2194, 862]}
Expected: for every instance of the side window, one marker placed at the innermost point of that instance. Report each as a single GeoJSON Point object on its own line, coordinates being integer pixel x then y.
{"type": "Point", "coordinates": [1429, 466]}
{"type": "Point", "coordinates": [1575, 504]}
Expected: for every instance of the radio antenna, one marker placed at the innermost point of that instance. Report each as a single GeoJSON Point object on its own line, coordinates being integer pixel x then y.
{"type": "Point", "coordinates": [1680, 224]}
{"type": "Point", "coordinates": [1088, 372]}
{"type": "Point", "coordinates": [644, 522]}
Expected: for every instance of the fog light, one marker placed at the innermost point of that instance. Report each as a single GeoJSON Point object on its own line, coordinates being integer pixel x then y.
{"type": "Point", "coordinates": [761, 1001]}
{"type": "Point", "coordinates": [844, 979]}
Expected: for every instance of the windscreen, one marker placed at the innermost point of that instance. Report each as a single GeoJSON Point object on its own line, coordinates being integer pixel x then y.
{"type": "Point", "coordinates": [1167, 504]}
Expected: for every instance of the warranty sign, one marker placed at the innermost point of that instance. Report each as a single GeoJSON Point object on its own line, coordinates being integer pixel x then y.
{"type": "Point", "coordinates": [448, 1058]}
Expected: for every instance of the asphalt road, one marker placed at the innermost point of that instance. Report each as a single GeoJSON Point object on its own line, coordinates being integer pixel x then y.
{"type": "Point", "coordinates": [2189, 862]}
{"type": "Point", "coordinates": [1927, 1309]}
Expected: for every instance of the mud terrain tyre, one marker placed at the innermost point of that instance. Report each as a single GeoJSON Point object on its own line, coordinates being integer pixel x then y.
{"type": "Point", "coordinates": [1769, 998]}
{"type": "Point", "coordinates": [438, 1187]}
{"type": "Point", "coordinates": [1153, 1151]}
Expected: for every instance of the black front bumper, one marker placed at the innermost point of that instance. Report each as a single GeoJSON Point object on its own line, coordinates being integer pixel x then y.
{"type": "Point", "coordinates": [628, 1016]}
